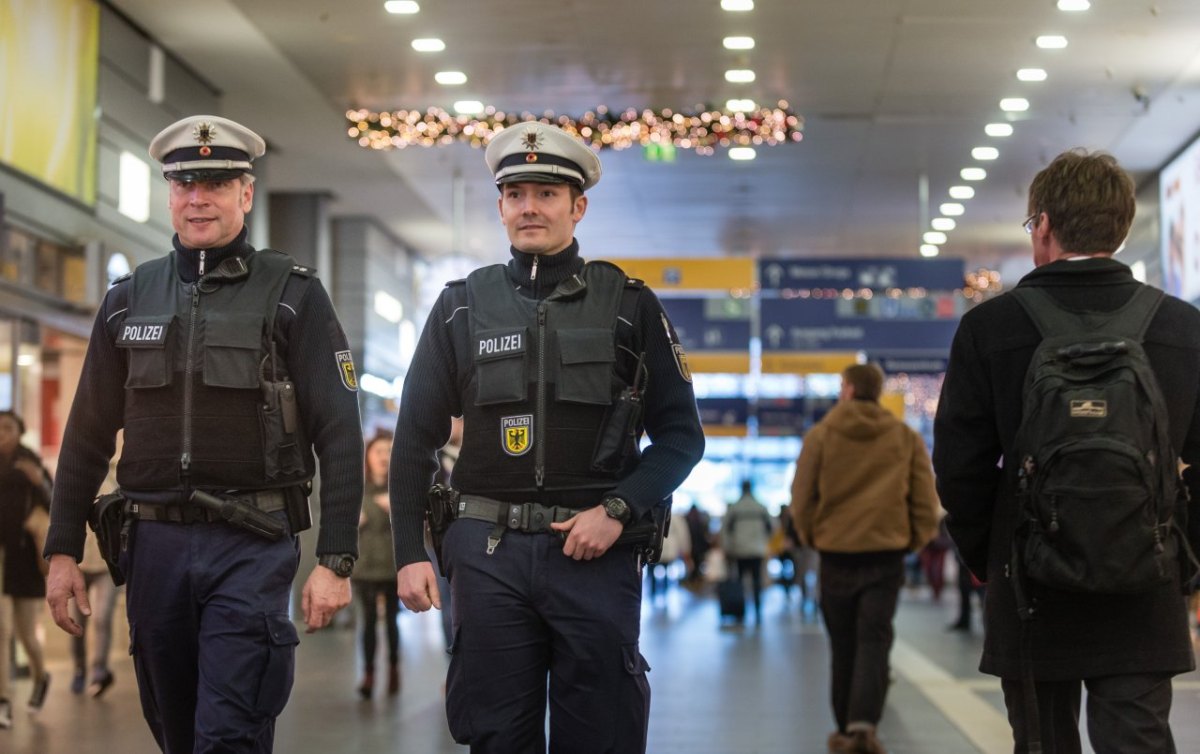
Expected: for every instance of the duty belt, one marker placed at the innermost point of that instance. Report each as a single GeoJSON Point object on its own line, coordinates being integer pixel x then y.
{"type": "Point", "coordinates": [267, 501]}
{"type": "Point", "coordinates": [533, 518]}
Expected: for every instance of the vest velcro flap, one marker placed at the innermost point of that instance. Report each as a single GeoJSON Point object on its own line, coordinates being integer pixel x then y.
{"type": "Point", "coordinates": [586, 358]}
{"type": "Point", "coordinates": [148, 342]}
{"type": "Point", "coordinates": [232, 350]}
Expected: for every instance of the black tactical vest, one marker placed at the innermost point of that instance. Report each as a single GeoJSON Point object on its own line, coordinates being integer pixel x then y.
{"type": "Point", "coordinates": [541, 381]}
{"type": "Point", "coordinates": [199, 408]}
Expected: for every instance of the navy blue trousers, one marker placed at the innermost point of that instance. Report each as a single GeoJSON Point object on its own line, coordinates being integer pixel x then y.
{"type": "Point", "coordinates": [213, 646]}
{"type": "Point", "coordinates": [531, 623]}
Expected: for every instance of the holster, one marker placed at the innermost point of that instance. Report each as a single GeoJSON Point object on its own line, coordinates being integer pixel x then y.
{"type": "Point", "coordinates": [647, 534]}
{"type": "Point", "coordinates": [440, 513]}
{"type": "Point", "coordinates": [110, 523]}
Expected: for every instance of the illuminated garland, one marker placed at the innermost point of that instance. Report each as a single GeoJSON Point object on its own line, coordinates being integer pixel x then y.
{"type": "Point", "coordinates": [702, 131]}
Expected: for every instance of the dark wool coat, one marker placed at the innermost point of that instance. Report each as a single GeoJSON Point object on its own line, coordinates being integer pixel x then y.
{"type": "Point", "coordinates": [1075, 636]}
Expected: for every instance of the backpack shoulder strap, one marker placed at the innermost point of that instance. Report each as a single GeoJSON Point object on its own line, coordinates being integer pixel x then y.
{"type": "Point", "coordinates": [1130, 320]}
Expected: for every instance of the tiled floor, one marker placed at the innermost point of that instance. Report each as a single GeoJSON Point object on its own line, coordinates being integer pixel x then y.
{"type": "Point", "coordinates": [748, 690]}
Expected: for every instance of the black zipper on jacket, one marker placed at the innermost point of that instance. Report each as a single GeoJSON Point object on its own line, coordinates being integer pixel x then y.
{"type": "Point", "coordinates": [185, 460]}
{"type": "Point", "coordinates": [540, 407]}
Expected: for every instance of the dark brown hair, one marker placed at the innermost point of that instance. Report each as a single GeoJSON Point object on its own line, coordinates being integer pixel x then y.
{"type": "Point", "coordinates": [1088, 199]}
{"type": "Point", "coordinates": [866, 379]}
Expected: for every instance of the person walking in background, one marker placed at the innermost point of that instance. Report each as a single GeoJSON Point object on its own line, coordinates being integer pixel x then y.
{"type": "Point", "coordinates": [1122, 641]}
{"type": "Point", "coordinates": [229, 374]}
{"type": "Point", "coordinates": [557, 366]}
{"type": "Point", "coordinates": [24, 506]}
{"type": "Point", "coordinates": [745, 532]}
{"type": "Point", "coordinates": [700, 535]}
{"type": "Point", "coordinates": [375, 572]}
{"type": "Point", "coordinates": [102, 597]}
{"type": "Point", "coordinates": [864, 497]}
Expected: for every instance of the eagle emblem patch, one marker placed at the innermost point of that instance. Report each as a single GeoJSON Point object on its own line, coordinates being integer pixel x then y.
{"type": "Point", "coordinates": [516, 434]}
{"type": "Point", "coordinates": [345, 363]}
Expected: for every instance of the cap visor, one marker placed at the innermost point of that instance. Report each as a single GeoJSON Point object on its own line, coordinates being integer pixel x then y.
{"type": "Point", "coordinates": [198, 176]}
{"type": "Point", "coordinates": [535, 178]}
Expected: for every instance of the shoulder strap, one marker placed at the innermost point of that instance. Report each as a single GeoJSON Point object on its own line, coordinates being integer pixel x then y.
{"type": "Point", "coordinates": [1131, 319]}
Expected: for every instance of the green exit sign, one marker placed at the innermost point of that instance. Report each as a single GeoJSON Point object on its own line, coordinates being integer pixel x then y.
{"type": "Point", "coordinates": [655, 152]}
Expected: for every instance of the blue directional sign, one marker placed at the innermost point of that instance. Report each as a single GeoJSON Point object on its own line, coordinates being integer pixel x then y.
{"type": "Point", "coordinates": [812, 324]}
{"type": "Point", "coordinates": [708, 324]}
{"type": "Point", "coordinates": [724, 416]}
{"type": "Point", "coordinates": [873, 274]}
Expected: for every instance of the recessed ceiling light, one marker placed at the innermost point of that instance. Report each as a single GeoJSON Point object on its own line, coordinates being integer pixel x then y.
{"type": "Point", "coordinates": [942, 223]}
{"type": "Point", "coordinates": [429, 44]}
{"type": "Point", "coordinates": [962, 192]}
{"type": "Point", "coordinates": [1014, 104]}
{"type": "Point", "coordinates": [998, 129]}
{"type": "Point", "coordinates": [739, 76]}
{"type": "Point", "coordinates": [934, 237]}
{"type": "Point", "coordinates": [1073, 5]}
{"type": "Point", "coordinates": [973, 174]}
{"type": "Point", "coordinates": [952, 209]}
{"type": "Point", "coordinates": [985, 153]}
{"type": "Point", "coordinates": [742, 153]}
{"type": "Point", "coordinates": [740, 105]}
{"type": "Point", "coordinates": [406, 7]}
{"type": "Point", "coordinates": [468, 107]}
{"type": "Point", "coordinates": [1051, 41]}
{"type": "Point", "coordinates": [929, 250]}
{"type": "Point", "coordinates": [1031, 74]}
{"type": "Point", "coordinates": [450, 78]}
{"type": "Point", "coordinates": [738, 43]}
{"type": "Point", "coordinates": [735, 6]}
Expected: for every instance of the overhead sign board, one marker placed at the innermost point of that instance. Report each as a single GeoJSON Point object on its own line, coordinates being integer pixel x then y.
{"type": "Point", "coordinates": [872, 274]}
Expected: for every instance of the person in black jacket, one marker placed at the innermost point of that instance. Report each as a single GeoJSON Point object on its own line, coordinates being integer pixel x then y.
{"type": "Point", "coordinates": [1123, 648]}
{"type": "Point", "coordinates": [226, 368]}
{"type": "Point", "coordinates": [540, 357]}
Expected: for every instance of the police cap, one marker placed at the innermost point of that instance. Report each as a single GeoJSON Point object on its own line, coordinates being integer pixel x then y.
{"type": "Point", "coordinates": [541, 153]}
{"type": "Point", "coordinates": [206, 148]}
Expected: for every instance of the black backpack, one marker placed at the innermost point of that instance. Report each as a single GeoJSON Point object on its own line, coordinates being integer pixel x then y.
{"type": "Point", "coordinates": [1098, 478]}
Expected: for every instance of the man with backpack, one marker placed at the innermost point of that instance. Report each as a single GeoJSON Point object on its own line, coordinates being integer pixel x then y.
{"type": "Point", "coordinates": [1067, 407]}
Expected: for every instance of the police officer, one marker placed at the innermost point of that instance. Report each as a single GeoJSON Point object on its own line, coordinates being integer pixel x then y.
{"type": "Point", "coordinates": [226, 367]}
{"type": "Point", "coordinates": [543, 358]}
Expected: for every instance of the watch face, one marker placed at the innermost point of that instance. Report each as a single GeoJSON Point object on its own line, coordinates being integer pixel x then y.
{"type": "Point", "coordinates": [616, 508]}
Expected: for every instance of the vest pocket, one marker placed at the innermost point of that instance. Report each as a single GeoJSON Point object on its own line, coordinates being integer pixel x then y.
{"type": "Point", "coordinates": [232, 350]}
{"type": "Point", "coordinates": [500, 366]}
{"type": "Point", "coordinates": [585, 369]}
{"type": "Point", "coordinates": [145, 340]}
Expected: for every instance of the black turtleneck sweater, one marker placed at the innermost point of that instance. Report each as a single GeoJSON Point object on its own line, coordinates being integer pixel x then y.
{"type": "Point", "coordinates": [308, 335]}
{"type": "Point", "coordinates": [432, 395]}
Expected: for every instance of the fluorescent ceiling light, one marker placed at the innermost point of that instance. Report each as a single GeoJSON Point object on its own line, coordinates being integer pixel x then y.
{"type": "Point", "coordinates": [735, 6]}
{"type": "Point", "coordinates": [973, 174]}
{"type": "Point", "coordinates": [739, 76]}
{"type": "Point", "coordinates": [740, 105]}
{"type": "Point", "coordinates": [388, 307]}
{"type": "Point", "coordinates": [742, 153]}
{"type": "Point", "coordinates": [985, 153]}
{"type": "Point", "coordinates": [929, 250]}
{"type": "Point", "coordinates": [998, 129]}
{"type": "Point", "coordinates": [1051, 41]}
{"type": "Point", "coordinates": [1031, 74]}
{"type": "Point", "coordinates": [738, 43]}
{"type": "Point", "coordinates": [952, 209]}
{"type": "Point", "coordinates": [429, 44]}
{"type": "Point", "coordinates": [450, 78]}
{"type": "Point", "coordinates": [934, 237]}
{"type": "Point", "coordinates": [406, 7]}
{"type": "Point", "coordinates": [942, 223]}
{"type": "Point", "coordinates": [962, 192]}
{"type": "Point", "coordinates": [133, 188]}
{"type": "Point", "coordinates": [1074, 5]}
{"type": "Point", "coordinates": [468, 107]}
{"type": "Point", "coordinates": [1014, 104]}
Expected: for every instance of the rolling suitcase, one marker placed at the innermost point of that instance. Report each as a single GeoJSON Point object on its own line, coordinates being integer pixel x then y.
{"type": "Point", "coordinates": [732, 599]}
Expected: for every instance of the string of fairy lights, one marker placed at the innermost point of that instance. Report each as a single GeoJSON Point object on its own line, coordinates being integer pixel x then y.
{"type": "Point", "coordinates": [702, 130]}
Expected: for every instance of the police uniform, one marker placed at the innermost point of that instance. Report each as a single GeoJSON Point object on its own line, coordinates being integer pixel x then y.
{"type": "Point", "coordinates": [226, 368]}
{"type": "Point", "coordinates": [537, 356]}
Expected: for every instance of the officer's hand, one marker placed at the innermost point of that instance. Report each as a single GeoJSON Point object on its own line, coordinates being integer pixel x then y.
{"type": "Point", "coordinates": [417, 587]}
{"type": "Point", "coordinates": [64, 583]}
{"type": "Point", "coordinates": [589, 533]}
{"type": "Point", "coordinates": [324, 594]}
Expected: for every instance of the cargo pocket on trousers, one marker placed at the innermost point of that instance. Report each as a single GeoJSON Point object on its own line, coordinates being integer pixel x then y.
{"type": "Point", "coordinates": [276, 683]}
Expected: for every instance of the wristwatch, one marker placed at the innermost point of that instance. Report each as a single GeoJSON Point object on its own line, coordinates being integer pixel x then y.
{"type": "Point", "coordinates": [617, 508]}
{"type": "Point", "coordinates": [341, 563]}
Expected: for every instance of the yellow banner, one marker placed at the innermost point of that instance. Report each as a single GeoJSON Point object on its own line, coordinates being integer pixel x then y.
{"type": "Point", "coordinates": [724, 431]}
{"type": "Point", "coordinates": [717, 362]}
{"type": "Point", "coordinates": [49, 52]}
{"type": "Point", "coordinates": [804, 362]}
{"type": "Point", "coordinates": [691, 274]}
{"type": "Point", "coordinates": [893, 402]}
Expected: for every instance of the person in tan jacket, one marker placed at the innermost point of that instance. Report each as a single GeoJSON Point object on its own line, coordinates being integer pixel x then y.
{"type": "Point", "coordinates": [863, 496]}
